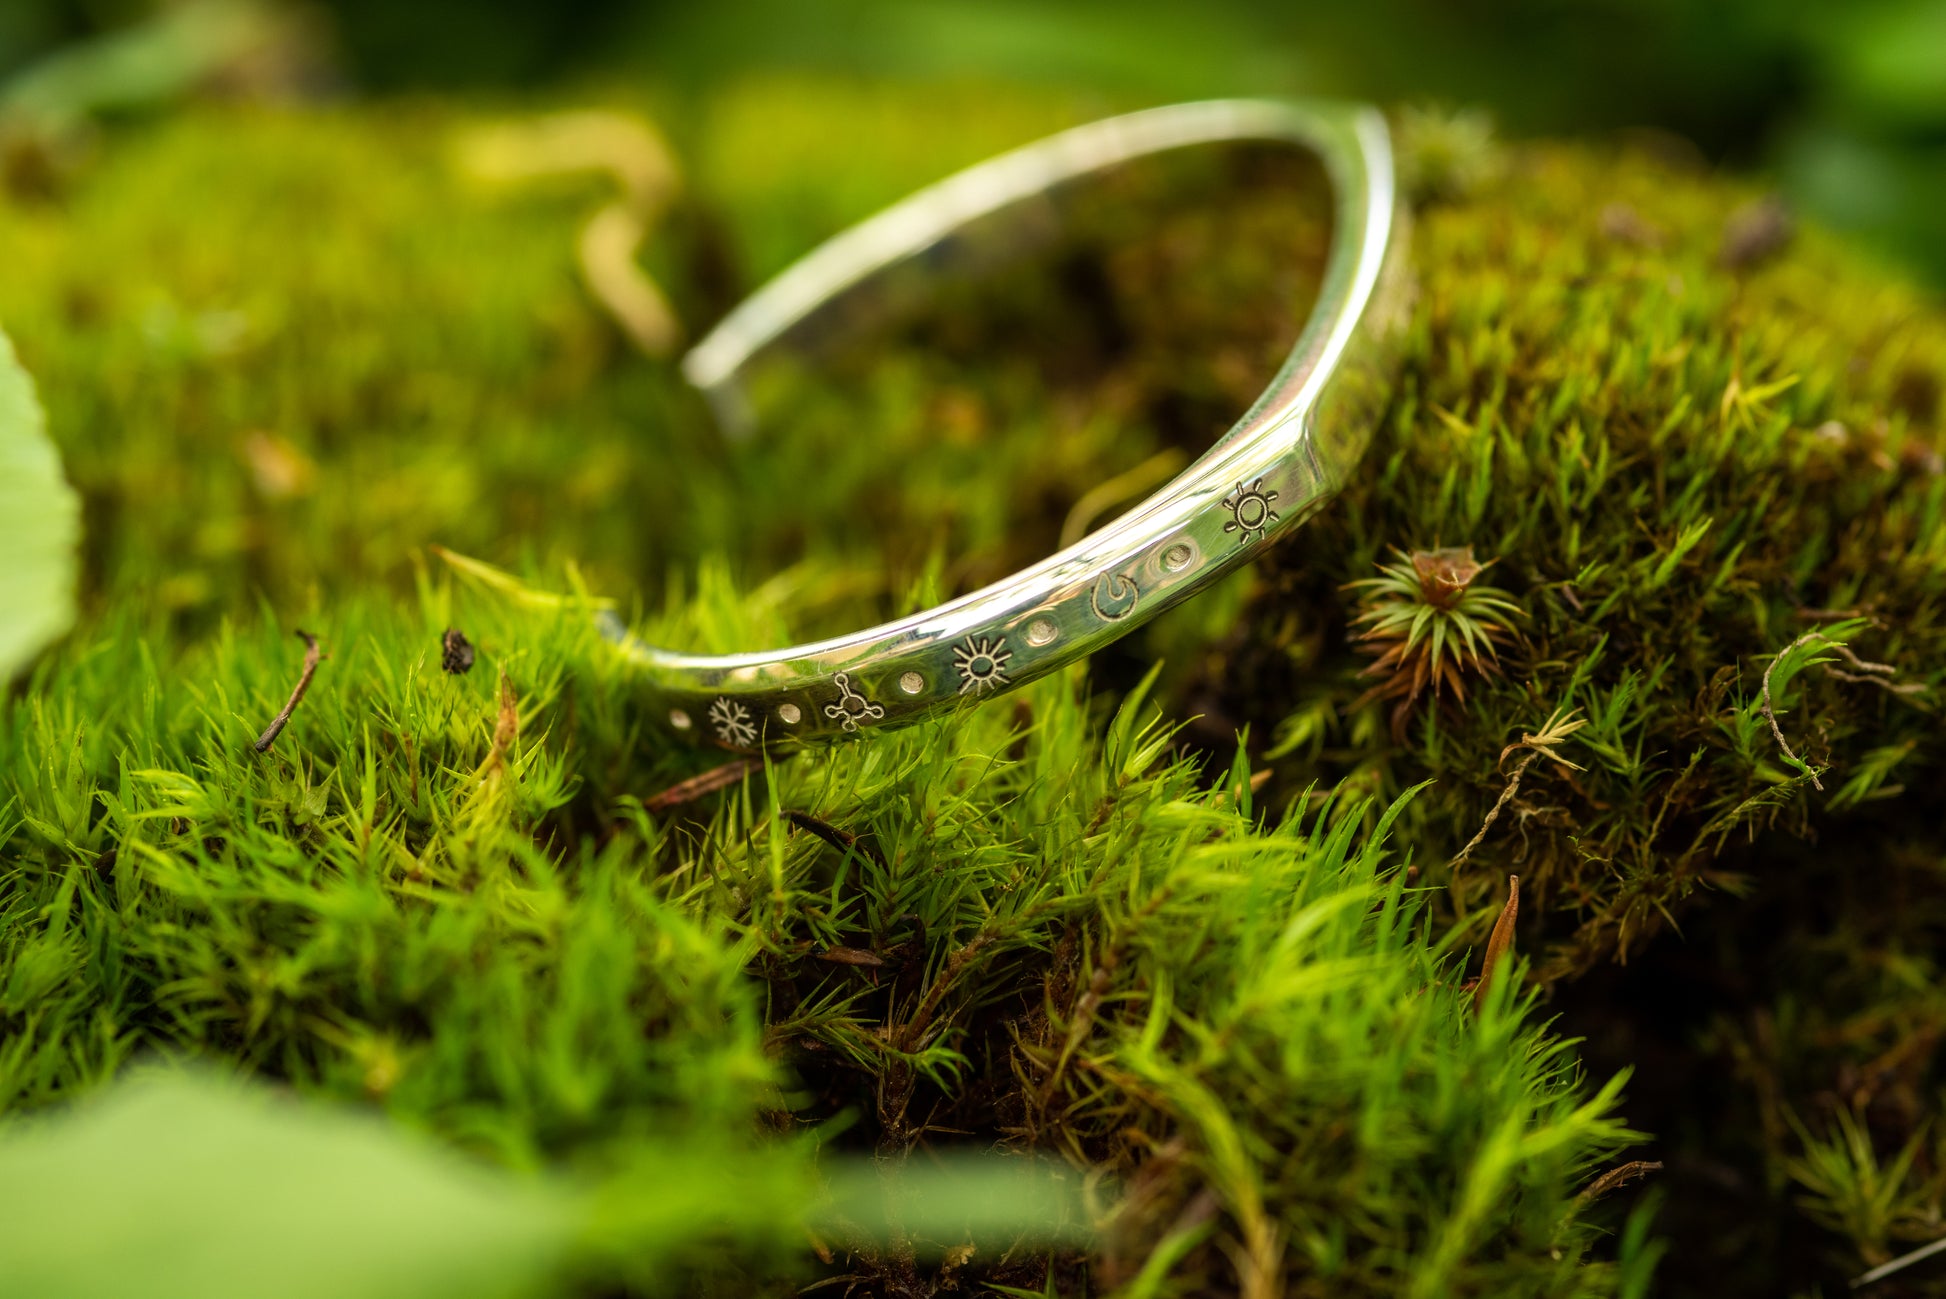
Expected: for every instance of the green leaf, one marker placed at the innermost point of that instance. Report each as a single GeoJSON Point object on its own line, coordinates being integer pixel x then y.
{"type": "Point", "coordinates": [40, 525]}
{"type": "Point", "coordinates": [184, 1185]}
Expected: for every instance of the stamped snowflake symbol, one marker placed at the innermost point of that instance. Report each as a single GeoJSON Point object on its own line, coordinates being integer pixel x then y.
{"type": "Point", "coordinates": [732, 722]}
{"type": "Point", "coordinates": [1250, 511]}
{"type": "Point", "coordinates": [982, 664]}
{"type": "Point", "coordinates": [852, 707]}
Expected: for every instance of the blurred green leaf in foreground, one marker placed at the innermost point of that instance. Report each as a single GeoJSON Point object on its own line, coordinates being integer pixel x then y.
{"type": "Point", "coordinates": [201, 1187]}
{"type": "Point", "coordinates": [40, 524]}
{"type": "Point", "coordinates": [129, 1187]}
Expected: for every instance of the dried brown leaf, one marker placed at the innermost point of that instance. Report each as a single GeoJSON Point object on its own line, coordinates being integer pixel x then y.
{"type": "Point", "coordinates": [1501, 944]}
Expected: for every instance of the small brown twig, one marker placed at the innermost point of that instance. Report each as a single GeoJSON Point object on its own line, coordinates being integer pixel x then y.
{"type": "Point", "coordinates": [695, 787]}
{"type": "Point", "coordinates": [1770, 714]}
{"type": "Point", "coordinates": [1899, 1264]}
{"type": "Point", "coordinates": [909, 1035]}
{"type": "Point", "coordinates": [1877, 674]}
{"type": "Point", "coordinates": [1493, 813]}
{"type": "Point", "coordinates": [1872, 674]}
{"type": "Point", "coordinates": [1558, 727]}
{"type": "Point", "coordinates": [312, 657]}
{"type": "Point", "coordinates": [1879, 669]}
{"type": "Point", "coordinates": [1615, 1178]}
{"type": "Point", "coordinates": [857, 956]}
{"type": "Point", "coordinates": [1893, 687]}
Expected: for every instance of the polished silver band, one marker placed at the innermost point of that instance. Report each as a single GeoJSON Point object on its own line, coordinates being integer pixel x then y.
{"type": "Point", "coordinates": [1282, 459]}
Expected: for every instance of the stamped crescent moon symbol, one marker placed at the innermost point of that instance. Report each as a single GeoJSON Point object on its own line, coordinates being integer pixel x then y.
{"type": "Point", "coordinates": [1114, 596]}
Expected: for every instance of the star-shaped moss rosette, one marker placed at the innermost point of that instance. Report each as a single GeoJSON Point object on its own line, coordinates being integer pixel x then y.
{"type": "Point", "coordinates": [1431, 623]}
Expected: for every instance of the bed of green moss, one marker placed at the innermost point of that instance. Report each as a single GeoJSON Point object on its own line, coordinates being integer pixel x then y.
{"type": "Point", "coordinates": [1701, 449]}
{"type": "Point", "coordinates": [285, 353]}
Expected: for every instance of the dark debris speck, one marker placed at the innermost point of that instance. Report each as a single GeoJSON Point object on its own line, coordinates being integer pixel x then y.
{"type": "Point", "coordinates": [455, 652]}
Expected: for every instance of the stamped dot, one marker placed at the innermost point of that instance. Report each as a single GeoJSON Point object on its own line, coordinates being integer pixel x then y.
{"type": "Point", "coordinates": [1177, 557]}
{"type": "Point", "coordinates": [679, 719]}
{"type": "Point", "coordinates": [789, 714]}
{"type": "Point", "coordinates": [912, 683]}
{"type": "Point", "coordinates": [1041, 631]}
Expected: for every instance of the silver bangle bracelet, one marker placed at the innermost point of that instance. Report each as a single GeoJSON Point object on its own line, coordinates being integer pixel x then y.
{"type": "Point", "coordinates": [1280, 461]}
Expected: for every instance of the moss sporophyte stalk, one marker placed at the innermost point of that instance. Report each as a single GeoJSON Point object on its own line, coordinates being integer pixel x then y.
{"type": "Point", "coordinates": [1205, 935]}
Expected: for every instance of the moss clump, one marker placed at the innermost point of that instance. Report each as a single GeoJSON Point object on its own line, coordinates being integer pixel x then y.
{"type": "Point", "coordinates": [1045, 935]}
{"type": "Point", "coordinates": [1051, 925]}
{"type": "Point", "coordinates": [1702, 476]}
{"type": "Point", "coordinates": [1680, 469]}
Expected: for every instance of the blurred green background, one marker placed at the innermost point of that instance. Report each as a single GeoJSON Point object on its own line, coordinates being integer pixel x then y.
{"type": "Point", "coordinates": [1844, 103]}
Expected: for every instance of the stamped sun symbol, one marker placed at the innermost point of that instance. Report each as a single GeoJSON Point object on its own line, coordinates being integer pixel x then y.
{"type": "Point", "coordinates": [982, 664]}
{"type": "Point", "coordinates": [732, 722]}
{"type": "Point", "coordinates": [1250, 510]}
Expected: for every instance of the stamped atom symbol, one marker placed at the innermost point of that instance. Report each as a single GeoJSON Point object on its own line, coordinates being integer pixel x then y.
{"type": "Point", "coordinates": [981, 664]}
{"type": "Point", "coordinates": [852, 707]}
{"type": "Point", "coordinates": [732, 722]}
{"type": "Point", "coordinates": [1250, 510]}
